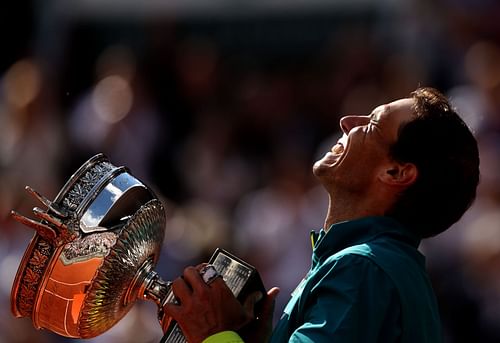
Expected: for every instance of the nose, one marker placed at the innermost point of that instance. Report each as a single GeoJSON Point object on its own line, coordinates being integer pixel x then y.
{"type": "Point", "coordinates": [347, 123]}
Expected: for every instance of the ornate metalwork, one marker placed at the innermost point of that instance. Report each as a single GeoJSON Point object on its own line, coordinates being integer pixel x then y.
{"type": "Point", "coordinates": [137, 241]}
{"type": "Point", "coordinates": [93, 245]}
{"type": "Point", "coordinates": [84, 185]}
{"type": "Point", "coordinates": [74, 278]}
{"type": "Point", "coordinates": [31, 276]}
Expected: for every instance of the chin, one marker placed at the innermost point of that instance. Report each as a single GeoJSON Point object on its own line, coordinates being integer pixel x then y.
{"type": "Point", "coordinates": [326, 165]}
{"type": "Point", "coordinates": [320, 170]}
{"type": "Point", "coordinates": [324, 176]}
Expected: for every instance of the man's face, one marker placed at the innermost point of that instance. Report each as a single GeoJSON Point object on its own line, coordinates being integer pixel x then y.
{"type": "Point", "coordinates": [352, 163]}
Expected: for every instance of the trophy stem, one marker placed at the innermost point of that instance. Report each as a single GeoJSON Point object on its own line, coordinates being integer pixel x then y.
{"type": "Point", "coordinates": [148, 285]}
{"type": "Point", "coordinates": [157, 289]}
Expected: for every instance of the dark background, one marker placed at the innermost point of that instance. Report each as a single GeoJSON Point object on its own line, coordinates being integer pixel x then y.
{"type": "Point", "coordinates": [222, 107]}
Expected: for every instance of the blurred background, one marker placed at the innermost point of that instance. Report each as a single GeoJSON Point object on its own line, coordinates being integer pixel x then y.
{"type": "Point", "coordinates": [222, 106]}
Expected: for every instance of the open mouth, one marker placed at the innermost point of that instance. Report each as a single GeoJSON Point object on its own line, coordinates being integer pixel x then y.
{"type": "Point", "coordinates": [337, 149]}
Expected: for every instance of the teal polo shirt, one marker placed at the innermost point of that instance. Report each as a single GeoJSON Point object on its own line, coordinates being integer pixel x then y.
{"type": "Point", "coordinates": [367, 283]}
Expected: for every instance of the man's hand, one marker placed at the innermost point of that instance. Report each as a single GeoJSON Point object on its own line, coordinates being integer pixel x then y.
{"type": "Point", "coordinates": [206, 309]}
{"type": "Point", "coordinates": [259, 330]}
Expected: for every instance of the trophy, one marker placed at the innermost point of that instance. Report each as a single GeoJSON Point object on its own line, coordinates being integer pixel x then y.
{"type": "Point", "coordinates": [94, 252]}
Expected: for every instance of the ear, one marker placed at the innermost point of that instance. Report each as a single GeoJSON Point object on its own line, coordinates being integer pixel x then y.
{"type": "Point", "coordinates": [400, 175]}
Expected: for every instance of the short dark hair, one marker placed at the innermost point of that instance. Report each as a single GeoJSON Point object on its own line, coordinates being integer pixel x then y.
{"type": "Point", "coordinates": [446, 155]}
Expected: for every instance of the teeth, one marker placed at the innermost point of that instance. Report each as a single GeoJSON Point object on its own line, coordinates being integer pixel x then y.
{"type": "Point", "coordinates": [338, 149]}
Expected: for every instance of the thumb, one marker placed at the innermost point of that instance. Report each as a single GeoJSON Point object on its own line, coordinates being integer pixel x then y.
{"type": "Point", "coordinates": [259, 330]}
{"type": "Point", "coordinates": [249, 303]}
{"type": "Point", "coordinates": [172, 310]}
{"type": "Point", "coordinates": [273, 292]}
{"type": "Point", "coordinates": [268, 303]}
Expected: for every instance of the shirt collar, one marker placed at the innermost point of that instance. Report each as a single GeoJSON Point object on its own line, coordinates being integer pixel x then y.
{"type": "Point", "coordinates": [344, 234]}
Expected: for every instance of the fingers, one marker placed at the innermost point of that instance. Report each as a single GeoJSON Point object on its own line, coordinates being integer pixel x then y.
{"type": "Point", "coordinates": [193, 278]}
{"type": "Point", "coordinates": [192, 282]}
{"type": "Point", "coordinates": [181, 288]}
{"type": "Point", "coordinates": [182, 293]}
{"type": "Point", "coordinates": [250, 301]}
{"type": "Point", "coordinates": [205, 309]}
{"type": "Point", "coordinates": [201, 266]}
{"type": "Point", "coordinates": [184, 287]}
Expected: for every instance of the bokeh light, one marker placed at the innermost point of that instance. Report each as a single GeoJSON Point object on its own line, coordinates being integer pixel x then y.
{"type": "Point", "coordinates": [222, 107]}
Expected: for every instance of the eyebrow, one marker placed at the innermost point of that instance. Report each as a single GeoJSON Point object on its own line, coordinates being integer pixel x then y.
{"type": "Point", "coordinates": [379, 110]}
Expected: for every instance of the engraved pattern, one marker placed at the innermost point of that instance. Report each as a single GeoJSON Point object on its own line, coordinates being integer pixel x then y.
{"type": "Point", "coordinates": [32, 274]}
{"type": "Point", "coordinates": [39, 258]}
{"type": "Point", "coordinates": [124, 251]}
{"type": "Point", "coordinates": [34, 269]}
{"type": "Point", "coordinates": [140, 238]}
{"type": "Point", "coordinates": [84, 185]}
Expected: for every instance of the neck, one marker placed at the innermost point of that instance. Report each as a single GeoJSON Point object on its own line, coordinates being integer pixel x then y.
{"type": "Point", "coordinates": [342, 208]}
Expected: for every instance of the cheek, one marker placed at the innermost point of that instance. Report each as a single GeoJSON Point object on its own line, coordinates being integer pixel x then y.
{"type": "Point", "coordinates": [360, 161]}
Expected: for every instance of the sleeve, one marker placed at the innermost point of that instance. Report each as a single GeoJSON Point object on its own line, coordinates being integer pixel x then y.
{"type": "Point", "coordinates": [354, 301]}
{"type": "Point", "coordinates": [224, 337]}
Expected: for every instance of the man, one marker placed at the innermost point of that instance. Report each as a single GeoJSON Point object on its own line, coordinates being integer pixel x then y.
{"type": "Point", "coordinates": [407, 171]}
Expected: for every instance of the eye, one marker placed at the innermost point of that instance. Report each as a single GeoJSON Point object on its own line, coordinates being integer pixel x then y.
{"type": "Point", "coordinates": [374, 122]}
{"type": "Point", "coordinates": [370, 126]}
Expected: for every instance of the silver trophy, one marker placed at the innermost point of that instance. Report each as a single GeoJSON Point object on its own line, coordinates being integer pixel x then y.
{"type": "Point", "coordinates": [94, 252]}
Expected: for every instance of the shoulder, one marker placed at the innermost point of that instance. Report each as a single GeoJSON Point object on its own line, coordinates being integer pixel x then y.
{"type": "Point", "coordinates": [353, 258]}
{"type": "Point", "coordinates": [348, 289]}
{"type": "Point", "coordinates": [393, 257]}
{"type": "Point", "coordinates": [352, 269]}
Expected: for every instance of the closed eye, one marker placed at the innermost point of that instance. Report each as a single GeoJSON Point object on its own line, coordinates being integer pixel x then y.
{"type": "Point", "coordinates": [375, 127]}
{"type": "Point", "coordinates": [372, 123]}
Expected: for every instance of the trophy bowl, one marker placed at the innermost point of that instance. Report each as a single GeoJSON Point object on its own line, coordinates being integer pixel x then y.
{"type": "Point", "coordinates": [92, 254]}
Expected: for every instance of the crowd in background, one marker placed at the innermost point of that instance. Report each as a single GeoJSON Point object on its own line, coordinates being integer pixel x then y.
{"type": "Point", "coordinates": [224, 117]}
